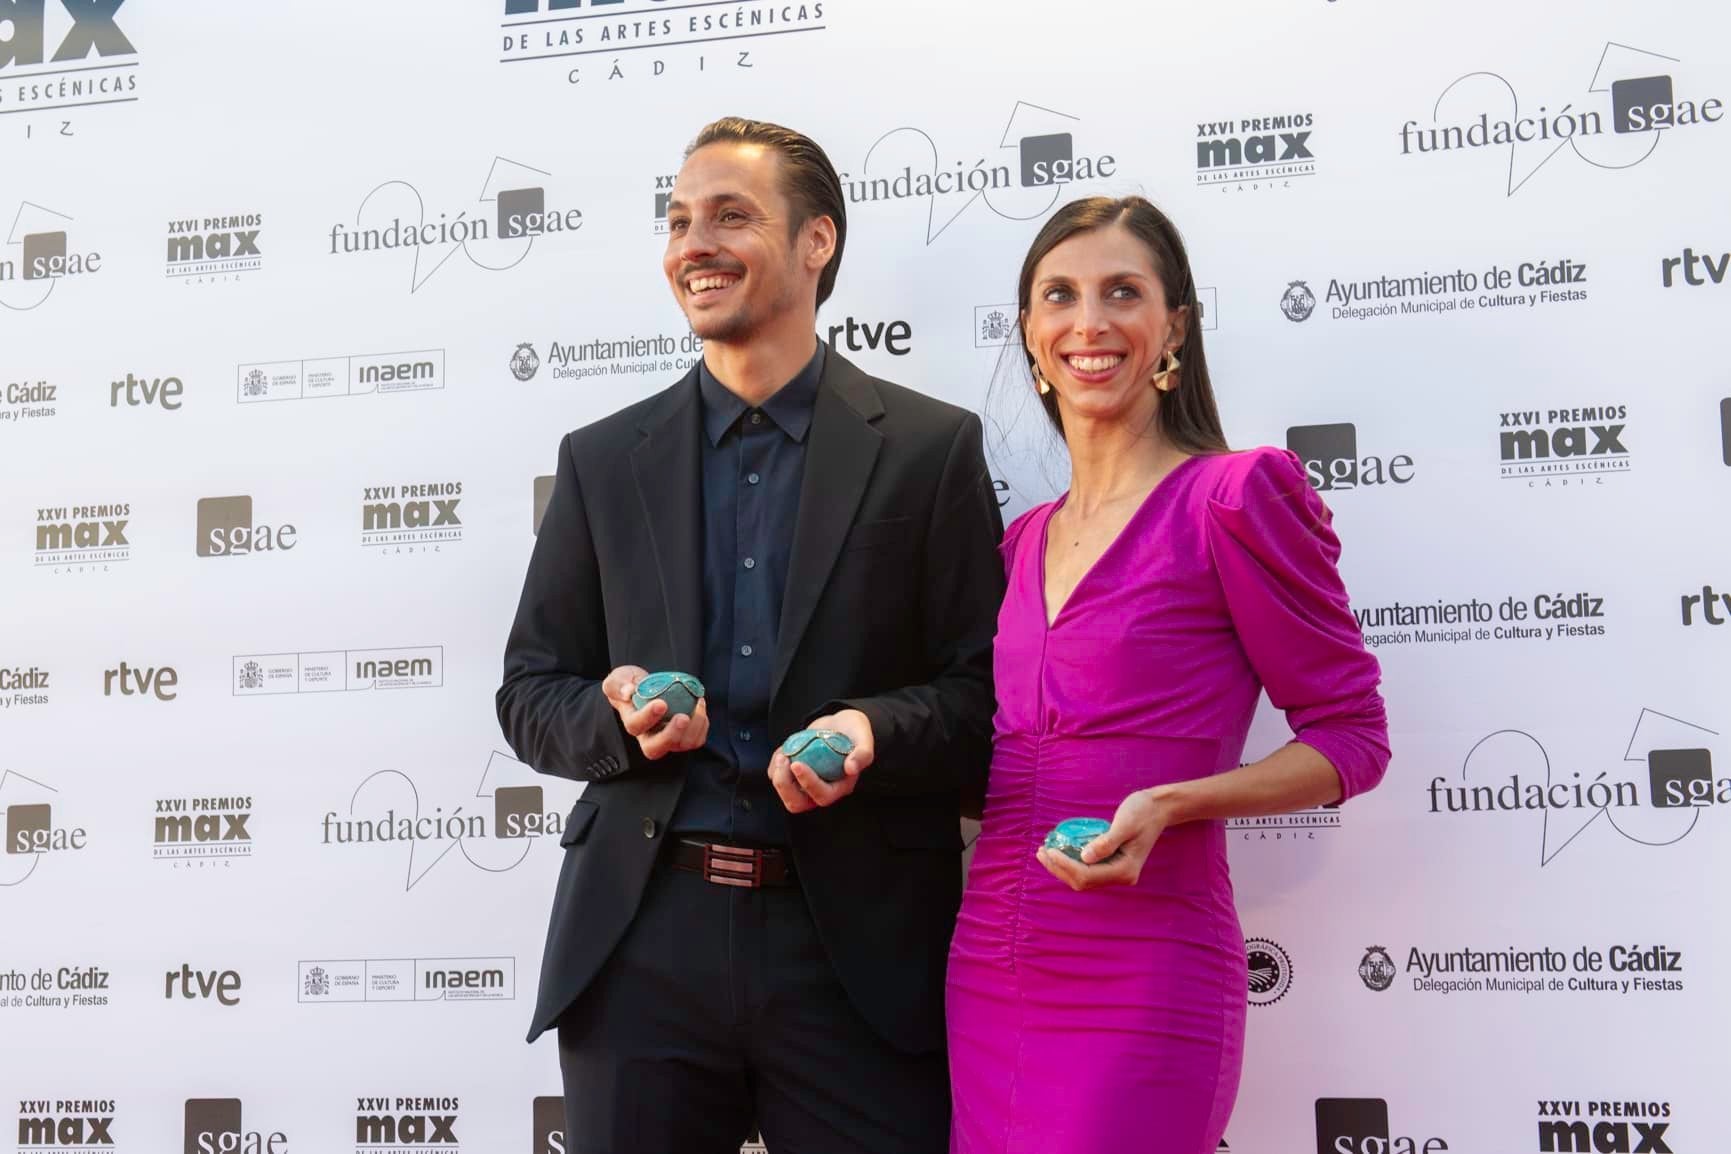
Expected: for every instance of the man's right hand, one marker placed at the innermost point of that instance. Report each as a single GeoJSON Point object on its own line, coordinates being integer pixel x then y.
{"type": "Point", "coordinates": [679, 735]}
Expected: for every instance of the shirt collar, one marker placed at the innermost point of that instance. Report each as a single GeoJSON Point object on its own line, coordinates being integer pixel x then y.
{"type": "Point", "coordinates": [790, 406]}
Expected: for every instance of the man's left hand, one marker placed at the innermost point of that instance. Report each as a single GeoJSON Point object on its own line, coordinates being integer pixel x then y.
{"type": "Point", "coordinates": [800, 789]}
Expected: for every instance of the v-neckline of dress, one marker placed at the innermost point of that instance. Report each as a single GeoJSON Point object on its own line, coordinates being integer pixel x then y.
{"type": "Point", "coordinates": [1051, 622]}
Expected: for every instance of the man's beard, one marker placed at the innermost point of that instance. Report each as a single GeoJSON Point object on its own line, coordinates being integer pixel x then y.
{"type": "Point", "coordinates": [745, 322]}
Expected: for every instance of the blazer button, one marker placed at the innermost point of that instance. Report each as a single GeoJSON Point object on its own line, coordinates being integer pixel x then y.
{"type": "Point", "coordinates": [649, 827]}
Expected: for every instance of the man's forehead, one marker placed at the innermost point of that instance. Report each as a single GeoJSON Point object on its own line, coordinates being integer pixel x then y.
{"type": "Point", "coordinates": [727, 167]}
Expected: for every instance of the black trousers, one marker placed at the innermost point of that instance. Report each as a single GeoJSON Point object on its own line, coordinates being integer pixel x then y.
{"type": "Point", "coordinates": [719, 1014]}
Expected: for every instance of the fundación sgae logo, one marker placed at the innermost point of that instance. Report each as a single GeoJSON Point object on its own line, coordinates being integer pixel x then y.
{"type": "Point", "coordinates": [906, 164]}
{"type": "Point", "coordinates": [493, 829]}
{"type": "Point", "coordinates": [514, 211]}
{"type": "Point", "coordinates": [1652, 790]}
{"type": "Point", "coordinates": [1632, 107]}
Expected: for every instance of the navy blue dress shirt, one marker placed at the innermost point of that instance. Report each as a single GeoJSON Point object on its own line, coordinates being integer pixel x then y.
{"type": "Point", "coordinates": [753, 462]}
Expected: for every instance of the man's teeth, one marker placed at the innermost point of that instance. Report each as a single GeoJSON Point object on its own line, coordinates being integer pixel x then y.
{"type": "Point", "coordinates": [1094, 364]}
{"type": "Point", "coordinates": [705, 283]}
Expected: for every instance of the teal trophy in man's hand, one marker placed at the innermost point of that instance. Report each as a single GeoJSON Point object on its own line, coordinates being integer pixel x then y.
{"type": "Point", "coordinates": [681, 691]}
{"type": "Point", "coordinates": [824, 750]}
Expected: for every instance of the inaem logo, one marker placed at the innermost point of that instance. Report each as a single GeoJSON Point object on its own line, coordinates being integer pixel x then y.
{"type": "Point", "coordinates": [213, 1126]}
{"type": "Point", "coordinates": [226, 528]}
{"type": "Point", "coordinates": [547, 1121]}
{"type": "Point", "coordinates": [66, 1124]}
{"type": "Point", "coordinates": [1330, 457]}
{"type": "Point", "coordinates": [1360, 1126]}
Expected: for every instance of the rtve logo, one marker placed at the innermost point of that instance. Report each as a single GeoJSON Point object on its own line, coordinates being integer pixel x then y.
{"type": "Point", "coordinates": [93, 28]}
{"type": "Point", "coordinates": [223, 985]}
{"type": "Point", "coordinates": [892, 335]}
{"type": "Point", "coordinates": [1709, 603]}
{"type": "Point", "coordinates": [136, 682]}
{"type": "Point", "coordinates": [1688, 262]}
{"type": "Point", "coordinates": [164, 392]}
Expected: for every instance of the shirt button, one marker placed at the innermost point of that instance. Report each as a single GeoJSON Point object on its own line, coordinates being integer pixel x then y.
{"type": "Point", "coordinates": [745, 735]}
{"type": "Point", "coordinates": [745, 804]}
{"type": "Point", "coordinates": [757, 418]}
{"type": "Point", "coordinates": [649, 827]}
{"type": "Point", "coordinates": [752, 478]}
{"type": "Point", "coordinates": [745, 651]}
{"type": "Point", "coordinates": [751, 563]}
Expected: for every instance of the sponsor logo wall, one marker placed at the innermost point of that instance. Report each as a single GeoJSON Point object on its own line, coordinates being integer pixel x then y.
{"type": "Point", "coordinates": [280, 398]}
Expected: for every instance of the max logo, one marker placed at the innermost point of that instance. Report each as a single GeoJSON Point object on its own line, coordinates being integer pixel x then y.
{"type": "Point", "coordinates": [93, 27]}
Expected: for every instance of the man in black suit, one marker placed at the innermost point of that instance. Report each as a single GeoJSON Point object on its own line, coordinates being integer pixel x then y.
{"type": "Point", "coordinates": [734, 941]}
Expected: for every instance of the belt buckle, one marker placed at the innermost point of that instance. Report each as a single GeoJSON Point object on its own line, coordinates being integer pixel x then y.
{"type": "Point", "coordinates": [727, 865]}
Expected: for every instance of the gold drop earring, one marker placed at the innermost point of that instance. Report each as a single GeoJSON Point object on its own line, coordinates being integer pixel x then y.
{"type": "Point", "coordinates": [1162, 380]}
{"type": "Point", "coordinates": [1040, 381]}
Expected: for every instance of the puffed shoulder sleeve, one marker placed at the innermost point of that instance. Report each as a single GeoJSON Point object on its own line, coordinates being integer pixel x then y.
{"type": "Point", "coordinates": [1274, 547]}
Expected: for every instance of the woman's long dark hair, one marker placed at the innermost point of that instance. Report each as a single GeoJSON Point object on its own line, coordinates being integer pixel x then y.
{"type": "Point", "coordinates": [1187, 415]}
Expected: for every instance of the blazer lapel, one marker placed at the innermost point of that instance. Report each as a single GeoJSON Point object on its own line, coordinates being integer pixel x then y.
{"type": "Point", "coordinates": [666, 468]}
{"type": "Point", "coordinates": [839, 459]}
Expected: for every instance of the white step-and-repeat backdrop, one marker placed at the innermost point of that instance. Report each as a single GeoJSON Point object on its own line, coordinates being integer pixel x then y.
{"type": "Point", "coordinates": [280, 383]}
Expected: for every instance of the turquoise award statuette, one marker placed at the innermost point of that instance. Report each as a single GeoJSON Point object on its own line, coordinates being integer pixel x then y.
{"type": "Point", "coordinates": [1070, 836]}
{"type": "Point", "coordinates": [680, 690]}
{"type": "Point", "coordinates": [824, 750]}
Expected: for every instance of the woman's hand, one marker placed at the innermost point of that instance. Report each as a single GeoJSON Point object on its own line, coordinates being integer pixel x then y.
{"type": "Point", "coordinates": [1115, 857]}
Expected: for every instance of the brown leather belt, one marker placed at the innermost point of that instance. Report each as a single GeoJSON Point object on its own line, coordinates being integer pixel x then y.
{"type": "Point", "coordinates": [733, 865]}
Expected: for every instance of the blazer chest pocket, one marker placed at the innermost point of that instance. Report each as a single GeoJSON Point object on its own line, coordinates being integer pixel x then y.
{"type": "Point", "coordinates": [577, 825]}
{"type": "Point", "coordinates": [879, 534]}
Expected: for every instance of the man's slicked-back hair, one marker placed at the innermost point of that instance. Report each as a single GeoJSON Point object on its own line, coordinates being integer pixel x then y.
{"type": "Point", "coordinates": [808, 179]}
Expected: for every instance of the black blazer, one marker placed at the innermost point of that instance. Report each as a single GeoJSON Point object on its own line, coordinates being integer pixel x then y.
{"type": "Point", "coordinates": [891, 605]}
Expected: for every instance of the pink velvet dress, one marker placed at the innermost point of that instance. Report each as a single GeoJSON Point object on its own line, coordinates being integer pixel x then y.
{"type": "Point", "coordinates": [1113, 1020]}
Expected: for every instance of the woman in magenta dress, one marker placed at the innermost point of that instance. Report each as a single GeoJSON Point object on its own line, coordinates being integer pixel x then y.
{"type": "Point", "coordinates": [1100, 1006]}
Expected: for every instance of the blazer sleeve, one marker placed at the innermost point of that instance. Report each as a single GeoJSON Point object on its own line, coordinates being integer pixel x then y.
{"type": "Point", "coordinates": [936, 737]}
{"type": "Point", "coordinates": [550, 704]}
{"type": "Point", "coordinates": [1275, 550]}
